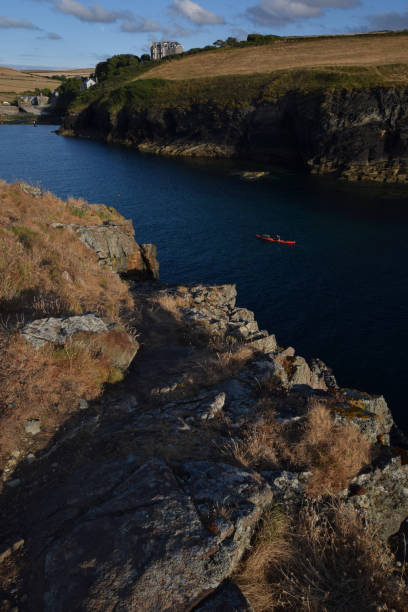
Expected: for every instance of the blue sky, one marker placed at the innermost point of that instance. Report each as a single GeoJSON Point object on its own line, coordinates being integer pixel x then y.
{"type": "Point", "coordinates": [80, 33]}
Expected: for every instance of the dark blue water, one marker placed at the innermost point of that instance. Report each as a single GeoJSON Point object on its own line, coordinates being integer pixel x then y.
{"type": "Point", "coordinates": [341, 294]}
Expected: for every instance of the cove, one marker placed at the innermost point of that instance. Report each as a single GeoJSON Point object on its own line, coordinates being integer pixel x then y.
{"type": "Point", "coordinates": [341, 294]}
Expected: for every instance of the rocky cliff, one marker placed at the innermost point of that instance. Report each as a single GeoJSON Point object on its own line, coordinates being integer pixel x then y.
{"type": "Point", "coordinates": [356, 134]}
{"type": "Point", "coordinates": [159, 492]}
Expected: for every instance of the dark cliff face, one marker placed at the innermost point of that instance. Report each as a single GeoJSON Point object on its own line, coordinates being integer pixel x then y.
{"type": "Point", "coordinates": [358, 134]}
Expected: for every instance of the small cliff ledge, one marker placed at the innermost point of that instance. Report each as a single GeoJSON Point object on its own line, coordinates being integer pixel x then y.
{"type": "Point", "coordinates": [161, 452]}
{"type": "Point", "coordinates": [357, 134]}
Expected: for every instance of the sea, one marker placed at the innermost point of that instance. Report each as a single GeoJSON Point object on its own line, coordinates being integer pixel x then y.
{"type": "Point", "coordinates": [340, 294]}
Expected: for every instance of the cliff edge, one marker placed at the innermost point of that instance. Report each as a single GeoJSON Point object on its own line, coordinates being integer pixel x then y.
{"type": "Point", "coordinates": [161, 452]}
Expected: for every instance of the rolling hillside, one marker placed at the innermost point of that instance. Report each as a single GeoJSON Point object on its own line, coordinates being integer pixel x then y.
{"type": "Point", "coordinates": [16, 82]}
{"type": "Point", "coordinates": [368, 50]}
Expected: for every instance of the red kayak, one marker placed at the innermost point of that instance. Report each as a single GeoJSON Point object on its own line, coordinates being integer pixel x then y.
{"type": "Point", "coordinates": [270, 239]}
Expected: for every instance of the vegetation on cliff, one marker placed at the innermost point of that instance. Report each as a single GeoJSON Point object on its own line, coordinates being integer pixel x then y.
{"type": "Point", "coordinates": [46, 271]}
{"type": "Point", "coordinates": [221, 454]}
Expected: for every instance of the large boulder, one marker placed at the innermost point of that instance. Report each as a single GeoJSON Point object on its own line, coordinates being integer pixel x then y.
{"type": "Point", "coordinates": [109, 338]}
{"type": "Point", "coordinates": [382, 493]}
{"type": "Point", "coordinates": [128, 537]}
{"type": "Point", "coordinates": [117, 250]}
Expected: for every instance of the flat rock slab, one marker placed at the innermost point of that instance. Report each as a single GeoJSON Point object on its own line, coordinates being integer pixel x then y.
{"type": "Point", "coordinates": [229, 499]}
{"type": "Point", "coordinates": [145, 548]}
{"type": "Point", "coordinates": [111, 339]}
{"type": "Point", "coordinates": [59, 330]}
{"type": "Point", "coordinates": [120, 536]}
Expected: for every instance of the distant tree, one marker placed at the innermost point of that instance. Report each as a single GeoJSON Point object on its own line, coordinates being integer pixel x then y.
{"type": "Point", "coordinates": [145, 57]}
{"type": "Point", "coordinates": [231, 41]}
{"type": "Point", "coordinates": [261, 39]}
{"type": "Point", "coordinates": [219, 43]}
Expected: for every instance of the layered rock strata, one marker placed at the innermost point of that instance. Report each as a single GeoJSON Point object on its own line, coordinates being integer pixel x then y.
{"type": "Point", "coordinates": [358, 134]}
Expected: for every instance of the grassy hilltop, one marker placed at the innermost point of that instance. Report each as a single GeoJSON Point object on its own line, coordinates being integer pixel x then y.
{"type": "Point", "coordinates": [250, 72]}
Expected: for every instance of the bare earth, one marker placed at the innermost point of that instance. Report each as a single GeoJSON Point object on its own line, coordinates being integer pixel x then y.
{"type": "Point", "coordinates": [345, 51]}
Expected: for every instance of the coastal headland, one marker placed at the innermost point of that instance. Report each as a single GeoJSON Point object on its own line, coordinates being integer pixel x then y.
{"type": "Point", "coordinates": [323, 105]}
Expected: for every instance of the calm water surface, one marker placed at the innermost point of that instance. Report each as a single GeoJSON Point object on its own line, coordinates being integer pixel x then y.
{"type": "Point", "coordinates": [341, 294]}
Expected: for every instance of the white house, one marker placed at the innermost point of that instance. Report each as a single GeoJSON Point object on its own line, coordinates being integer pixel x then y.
{"type": "Point", "coordinates": [87, 83]}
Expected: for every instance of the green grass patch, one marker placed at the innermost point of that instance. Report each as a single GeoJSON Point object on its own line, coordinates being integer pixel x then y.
{"type": "Point", "coordinates": [235, 91]}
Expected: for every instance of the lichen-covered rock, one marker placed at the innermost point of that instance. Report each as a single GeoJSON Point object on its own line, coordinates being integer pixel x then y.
{"type": "Point", "coordinates": [230, 499]}
{"type": "Point", "coordinates": [117, 250]}
{"type": "Point", "coordinates": [382, 493]}
{"type": "Point", "coordinates": [109, 338]}
{"type": "Point", "coordinates": [35, 192]}
{"type": "Point", "coordinates": [369, 413]}
{"type": "Point", "coordinates": [145, 540]}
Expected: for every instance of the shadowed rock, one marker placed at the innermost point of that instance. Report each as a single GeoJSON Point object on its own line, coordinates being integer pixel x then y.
{"type": "Point", "coordinates": [145, 541]}
{"type": "Point", "coordinates": [109, 338]}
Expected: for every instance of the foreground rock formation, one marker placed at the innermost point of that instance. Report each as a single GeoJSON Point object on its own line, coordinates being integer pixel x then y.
{"type": "Point", "coordinates": [145, 508]}
{"type": "Point", "coordinates": [150, 495]}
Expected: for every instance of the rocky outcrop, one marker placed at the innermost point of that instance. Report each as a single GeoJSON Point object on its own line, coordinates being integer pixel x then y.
{"type": "Point", "coordinates": [356, 134]}
{"type": "Point", "coordinates": [144, 537]}
{"type": "Point", "coordinates": [140, 504]}
{"type": "Point", "coordinates": [117, 249]}
{"type": "Point", "coordinates": [110, 339]}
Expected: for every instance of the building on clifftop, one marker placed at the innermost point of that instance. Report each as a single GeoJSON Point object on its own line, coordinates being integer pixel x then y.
{"type": "Point", "coordinates": [158, 50]}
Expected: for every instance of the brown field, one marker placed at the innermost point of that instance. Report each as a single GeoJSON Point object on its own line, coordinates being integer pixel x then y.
{"type": "Point", "coordinates": [83, 72]}
{"type": "Point", "coordinates": [13, 82]}
{"type": "Point", "coordinates": [344, 51]}
{"type": "Point", "coordinates": [16, 82]}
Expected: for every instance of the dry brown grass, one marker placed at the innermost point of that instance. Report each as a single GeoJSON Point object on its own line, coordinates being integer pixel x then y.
{"type": "Point", "coordinates": [49, 271]}
{"type": "Point", "coordinates": [46, 271]}
{"type": "Point", "coordinates": [44, 384]}
{"type": "Point", "coordinates": [334, 453]}
{"type": "Point", "coordinates": [14, 82]}
{"type": "Point", "coordinates": [220, 365]}
{"type": "Point", "coordinates": [347, 51]}
{"type": "Point", "coordinates": [170, 304]}
{"type": "Point", "coordinates": [329, 561]}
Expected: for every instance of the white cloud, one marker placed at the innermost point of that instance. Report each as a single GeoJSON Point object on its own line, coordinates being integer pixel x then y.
{"type": "Point", "coordinates": [282, 12]}
{"type": "Point", "coordinates": [140, 24]}
{"type": "Point", "coordinates": [8, 23]}
{"type": "Point", "coordinates": [95, 13]}
{"type": "Point", "coordinates": [194, 12]}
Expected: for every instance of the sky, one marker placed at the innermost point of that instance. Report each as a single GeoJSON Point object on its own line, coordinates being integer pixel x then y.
{"type": "Point", "coordinates": [80, 33]}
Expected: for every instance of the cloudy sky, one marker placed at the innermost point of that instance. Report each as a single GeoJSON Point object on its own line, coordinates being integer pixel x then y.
{"type": "Point", "coordinates": [79, 33]}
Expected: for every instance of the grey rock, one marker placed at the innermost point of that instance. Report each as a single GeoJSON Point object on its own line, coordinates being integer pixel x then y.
{"type": "Point", "coordinates": [32, 426]}
{"type": "Point", "coordinates": [370, 413]}
{"type": "Point", "coordinates": [35, 192]}
{"type": "Point", "coordinates": [382, 495]}
{"type": "Point", "coordinates": [266, 344]}
{"type": "Point", "coordinates": [59, 331]}
{"type": "Point", "coordinates": [110, 338]}
{"type": "Point", "coordinates": [237, 495]}
{"type": "Point", "coordinates": [145, 547]}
